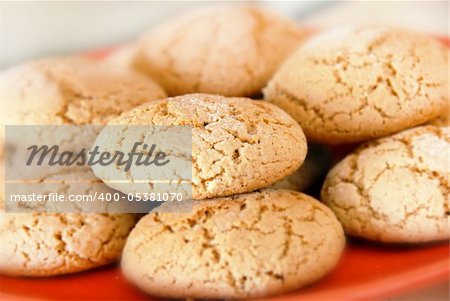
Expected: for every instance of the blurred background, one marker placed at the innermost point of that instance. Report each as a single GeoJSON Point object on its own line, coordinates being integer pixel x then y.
{"type": "Point", "coordinates": [35, 29]}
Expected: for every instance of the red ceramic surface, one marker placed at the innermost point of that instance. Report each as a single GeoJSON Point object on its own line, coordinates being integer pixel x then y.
{"type": "Point", "coordinates": [366, 271]}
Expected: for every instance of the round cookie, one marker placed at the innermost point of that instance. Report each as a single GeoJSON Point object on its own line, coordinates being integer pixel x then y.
{"type": "Point", "coordinates": [71, 90]}
{"type": "Point", "coordinates": [45, 244]}
{"type": "Point", "coordinates": [395, 189]}
{"type": "Point", "coordinates": [355, 84]}
{"type": "Point", "coordinates": [238, 144]}
{"type": "Point", "coordinates": [36, 243]}
{"type": "Point", "coordinates": [316, 165]}
{"type": "Point", "coordinates": [244, 246]}
{"type": "Point", "coordinates": [232, 51]}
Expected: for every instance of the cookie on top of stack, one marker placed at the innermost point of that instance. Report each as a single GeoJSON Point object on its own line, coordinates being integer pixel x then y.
{"type": "Point", "coordinates": [239, 145]}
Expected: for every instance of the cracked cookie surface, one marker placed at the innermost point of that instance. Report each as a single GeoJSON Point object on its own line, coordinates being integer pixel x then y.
{"type": "Point", "coordinates": [35, 243]}
{"type": "Point", "coordinates": [49, 244]}
{"type": "Point", "coordinates": [355, 84]}
{"type": "Point", "coordinates": [232, 51]}
{"type": "Point", "coordinates": [45, 244]}
{"type": "Point", "coordinates": [394, 189]}
{"type": "Point", "coordinates": [248, 245]}
{"type": "Point", "coordinates": [238, 144]}
{"type": "Point", "coordinates": [71, 90]}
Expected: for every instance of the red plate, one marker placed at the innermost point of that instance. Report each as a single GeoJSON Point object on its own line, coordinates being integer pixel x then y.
{"type": "Point", "coordinates": [366, 271]}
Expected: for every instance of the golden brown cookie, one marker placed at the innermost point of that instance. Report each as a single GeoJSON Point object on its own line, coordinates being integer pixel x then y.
{"type": "Point", "coordinates": [71, 90]}
{"type": "Point", "coordinates": [238, 144]}
{"type": "Point", "coordinates": [232, 51]}
{"type": "Point", "coordinates": [354, 84]}
{"type": "Point", "coordinates": [248, 245]}
{"type": "Point", "coordinates": [395, 189]}
{"type": "Point", "coordinates": [45, 244]}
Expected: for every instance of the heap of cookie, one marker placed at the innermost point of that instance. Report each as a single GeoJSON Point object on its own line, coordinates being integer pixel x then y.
{"type": "Point", "coordinates": [346, 86]}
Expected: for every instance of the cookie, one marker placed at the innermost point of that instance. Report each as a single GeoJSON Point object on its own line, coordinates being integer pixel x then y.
{"type": "Point", "coordinates": [45, 244]}
{"type": "Point", "coordinates": [354, 84]}
{"type": "Point", "coordinates": [244, 246]}
{"type": "Point", "coordinates": [232, 51]}
{"type": "Point", "coordinates": [238, 144]}
{"type": "Point", "coordinates": [316, 165]}
{"type": "Point", "coordinates": [48, 244]}
{"type": "Point", "coordinates": [395, 189]}
{"type": "Point", "coordinates": [71, 90]}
